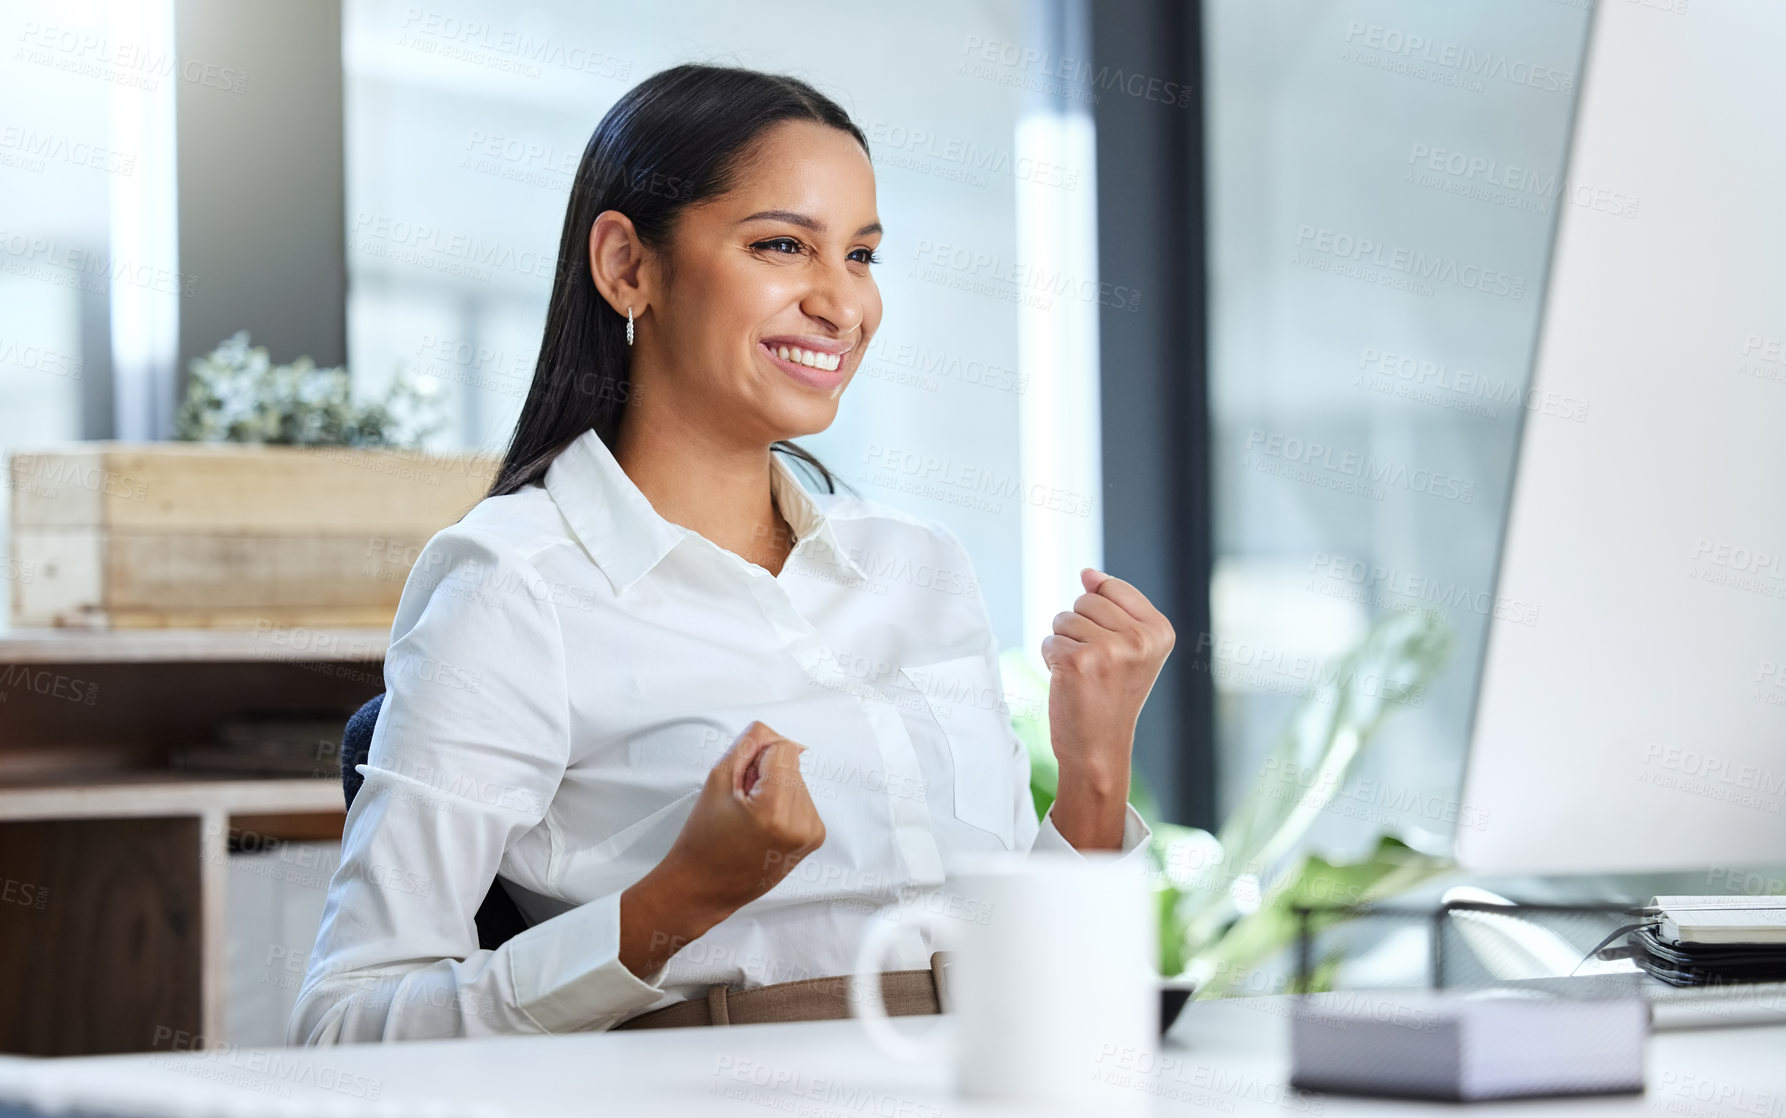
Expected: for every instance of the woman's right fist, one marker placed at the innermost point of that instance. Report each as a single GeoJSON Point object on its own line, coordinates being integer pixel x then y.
{"type": "Point", "coordinates": [752, 824]}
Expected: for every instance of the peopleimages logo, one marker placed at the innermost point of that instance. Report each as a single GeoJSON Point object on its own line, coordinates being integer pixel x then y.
{"type": "Point", "coordinates": [1735, 567]}
{"type": "Point", "coordinates": [1435, 267]}
{"type": "Point", "coordinates": [1711, 775]}
{"type": "Point", "coordinates": [960, 158]}
{"type": "Point", "coordinates": [1365, 798]}
{"type": "Point", "coordinates": [38, 148]}
{"type": "Point", "coordinates": [1378, 582]}
{"type": "Point", "coordinates": [939, 261]}
{"type": "Point", "coordinates": [1422, 373]}
{"type": "Point", "coordinates": [1763, 358]}
{"type": "Point", "coordinates": [940, 365]}
{"type": "Point", "coordinates": [984, 487]}
{"type": "Point", "coordinates": [1363, 467]}
{"type": "Point", "coordinates": [1074, 71]}
{"type": "Point", "coordinates": [37, 358]}
{"type": "Point", "coordinates": [1770, 684]}
{"type": "Point", "coordinates": [67, 265]}
{"type": "Point", "coordinates": [1738, 558]}
{"type": "Point", "coordinates": [504, 49]}
{"type": "Point", "coordinates": [1243, 665]}
{"type": "Point", "coordinates": [1508, 184]}
{"type": "Point", "coordinates": [421, 243]}
{"type": "Point", "coordinates": [136, 65]}
{"type": "Point", "coordinates": [1459, 58]}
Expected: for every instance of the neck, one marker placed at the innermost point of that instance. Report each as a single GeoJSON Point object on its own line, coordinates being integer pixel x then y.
{"type": "Point", "coordinates": [716, 488]}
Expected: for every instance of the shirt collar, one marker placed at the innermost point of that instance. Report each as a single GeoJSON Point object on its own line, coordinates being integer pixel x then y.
{"type": "Point", "coordinates": [815, 541]}
{"type": "Point", "coordinates": [627, 537]}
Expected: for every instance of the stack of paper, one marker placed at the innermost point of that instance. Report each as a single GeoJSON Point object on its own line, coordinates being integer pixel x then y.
{"type": "Point", "coordinates": [1489, 1045]}
{"type": "Point", "coordinates": [1722, 919]}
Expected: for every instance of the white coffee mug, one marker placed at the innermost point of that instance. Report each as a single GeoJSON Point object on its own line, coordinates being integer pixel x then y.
{"type": "Point", "coordinates": [1051, 979]}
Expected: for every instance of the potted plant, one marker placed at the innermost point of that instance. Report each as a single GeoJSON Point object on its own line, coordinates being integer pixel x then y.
{"type": "Point", "coordinates": [1227, 899]}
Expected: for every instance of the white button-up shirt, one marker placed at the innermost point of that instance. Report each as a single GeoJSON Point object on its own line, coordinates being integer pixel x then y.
{"type": "Point", "coordinates": [565, 668]}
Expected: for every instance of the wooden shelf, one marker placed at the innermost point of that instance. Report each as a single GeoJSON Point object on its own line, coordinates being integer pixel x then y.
{"type": "Point", "coordinates": [149, 646]}
{"type": "Point", "coordinates": [128, 856]}
{"type": "Point", "coordinates": [128, 935]}
{"type": "Point", "coordinates": [153, 794]}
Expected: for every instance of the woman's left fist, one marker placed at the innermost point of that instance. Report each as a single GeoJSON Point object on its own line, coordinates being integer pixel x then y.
{"type": "Point", "coordinates": [1102, 658]}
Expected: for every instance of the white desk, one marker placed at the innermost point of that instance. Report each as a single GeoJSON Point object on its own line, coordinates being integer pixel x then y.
{"type": "Point", "coordinates": [1225, 1057]}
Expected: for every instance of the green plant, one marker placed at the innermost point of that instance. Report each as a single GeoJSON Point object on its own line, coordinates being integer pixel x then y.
{"type": "Point", "coordinates": [1227, 900]}
{"type": "Point", "coordinates": [236, 394]}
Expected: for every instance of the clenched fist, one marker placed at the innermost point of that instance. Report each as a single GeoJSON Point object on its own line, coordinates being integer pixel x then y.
{"type": "Point", "coordinates": [1103, 658]}
{"type": "Point", "coordinates": [752, 823]}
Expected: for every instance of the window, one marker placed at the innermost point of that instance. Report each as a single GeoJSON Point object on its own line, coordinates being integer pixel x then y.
{"type": "Point", "coordinates": [1383, 183]}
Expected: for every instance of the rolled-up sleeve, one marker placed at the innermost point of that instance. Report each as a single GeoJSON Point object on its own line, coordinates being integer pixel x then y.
{"type": "Point", "coordinates": [469, 749]}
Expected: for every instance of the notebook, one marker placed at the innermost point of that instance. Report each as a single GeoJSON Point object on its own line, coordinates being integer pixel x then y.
{"type": "Point", "coordinates": [1482, 1045]}
{"type": "Point", "coordinates": [1688, 920]}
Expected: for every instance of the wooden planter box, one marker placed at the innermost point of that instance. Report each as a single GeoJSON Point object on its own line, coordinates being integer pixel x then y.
{"type": "Point", "coordinates": [183, 535]}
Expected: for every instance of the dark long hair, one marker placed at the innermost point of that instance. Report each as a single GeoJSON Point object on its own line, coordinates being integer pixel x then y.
{"type": "Point", "coordinates": [679, 137]}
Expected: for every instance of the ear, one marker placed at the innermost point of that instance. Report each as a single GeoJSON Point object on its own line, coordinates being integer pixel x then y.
{"type": "Point", "coordinates": [618, 263]}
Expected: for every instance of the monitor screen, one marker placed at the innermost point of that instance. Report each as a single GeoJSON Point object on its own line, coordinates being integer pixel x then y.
{"type": "Point", "coordinates": [1640, 722]}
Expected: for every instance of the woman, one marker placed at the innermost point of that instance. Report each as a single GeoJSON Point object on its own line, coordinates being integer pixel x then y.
{"type": "Point", "coordinates": [650, 681]}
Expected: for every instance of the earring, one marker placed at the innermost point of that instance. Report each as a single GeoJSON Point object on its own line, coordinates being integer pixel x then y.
{"type": "Point", "coordinates": [629, 326]}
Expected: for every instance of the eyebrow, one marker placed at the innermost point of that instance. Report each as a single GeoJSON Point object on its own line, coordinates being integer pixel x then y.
{"type": "Point", "coordinates": [805, 222]}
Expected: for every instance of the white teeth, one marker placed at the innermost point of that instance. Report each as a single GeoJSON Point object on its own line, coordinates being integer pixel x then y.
{"type": "Point", "coordinates": [827, 361]}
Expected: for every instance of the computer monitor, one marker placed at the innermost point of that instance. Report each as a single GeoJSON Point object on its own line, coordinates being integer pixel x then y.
{"type": "Point", "coordinates": [1640, 723]}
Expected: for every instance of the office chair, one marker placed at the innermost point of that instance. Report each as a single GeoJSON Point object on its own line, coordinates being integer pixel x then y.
{"type": "Point", "coordinates": [497, 919]}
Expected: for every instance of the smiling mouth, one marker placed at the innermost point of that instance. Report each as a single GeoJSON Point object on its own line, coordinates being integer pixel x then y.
{"type": "Point", "coordinates": [814, 375]}
{"type": "Point", "coordinates": [811, 358]}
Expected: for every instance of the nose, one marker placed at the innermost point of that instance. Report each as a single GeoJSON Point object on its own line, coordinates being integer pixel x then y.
{"type": "Point", "coordinates": [836, 298]}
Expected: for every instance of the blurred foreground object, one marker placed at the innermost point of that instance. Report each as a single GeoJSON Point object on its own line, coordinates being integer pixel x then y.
{"type": "Point", "coordinates": [1492, 1045]}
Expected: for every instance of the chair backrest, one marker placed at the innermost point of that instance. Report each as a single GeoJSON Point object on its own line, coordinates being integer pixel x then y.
{"type": "Point", "coordinates": [356, 744]}
{"type": "Point", "coordinates": [498, 919]}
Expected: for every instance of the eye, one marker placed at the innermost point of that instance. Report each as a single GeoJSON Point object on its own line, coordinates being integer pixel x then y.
{"type": "Point", "coordinates": [797, 246]}
{"type": "Point", "coordinates": [873, 257]}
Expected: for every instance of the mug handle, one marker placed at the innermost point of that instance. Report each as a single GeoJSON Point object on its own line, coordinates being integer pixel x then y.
{"type": "Point", "coordinates": [865, 987]}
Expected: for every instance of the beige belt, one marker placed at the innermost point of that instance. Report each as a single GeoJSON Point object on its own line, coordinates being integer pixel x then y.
{"type": "Point", "coordinates": [907, 992]}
